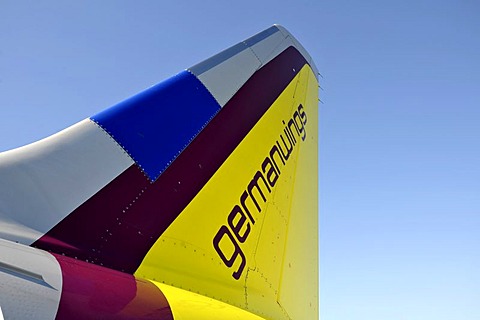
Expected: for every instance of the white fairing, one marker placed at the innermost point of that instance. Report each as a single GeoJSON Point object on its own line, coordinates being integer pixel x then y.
{"type": "Point", "coordinates": [229, 76]}
{"type": "Point", "coordinates": [43, 182]}
{"type": "Point", "coordinates": [224, 73]}
{"type": "Point", "coordinates": [30, 282]}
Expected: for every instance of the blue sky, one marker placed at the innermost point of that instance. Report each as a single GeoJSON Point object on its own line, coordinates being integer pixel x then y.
{"type": "Point", "coordinates": [399, 133]}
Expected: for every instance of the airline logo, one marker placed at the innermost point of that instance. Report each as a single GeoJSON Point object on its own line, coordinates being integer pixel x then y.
{"type": "Point", "coordinates": [240, 221]}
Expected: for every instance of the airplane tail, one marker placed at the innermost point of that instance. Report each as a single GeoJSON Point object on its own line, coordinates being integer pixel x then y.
{"type": "Point", "coordinates": [205, 185]}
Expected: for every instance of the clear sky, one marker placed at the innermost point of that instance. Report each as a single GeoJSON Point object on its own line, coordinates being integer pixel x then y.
{"type": "Point", "coordinates": [400, 134]}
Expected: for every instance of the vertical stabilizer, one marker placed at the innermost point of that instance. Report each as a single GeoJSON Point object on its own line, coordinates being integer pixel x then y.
{"type": "Point", "coordinates": [203, 186]}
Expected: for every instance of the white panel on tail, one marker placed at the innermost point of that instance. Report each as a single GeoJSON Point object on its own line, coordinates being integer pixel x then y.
{"type": "Point", "coordinates": [224, 80]}
{"type": "Point", "coordinates": [228, 71]}
{"type": "Point", "coordinates": [43, 182]}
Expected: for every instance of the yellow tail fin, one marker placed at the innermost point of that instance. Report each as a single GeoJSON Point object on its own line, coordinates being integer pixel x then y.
{"type": "Point", "coordinates": [249, 237]}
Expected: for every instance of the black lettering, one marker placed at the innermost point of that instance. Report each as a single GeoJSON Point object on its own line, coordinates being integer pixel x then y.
{"type": "Point", "coordinates": [238, 227]}
{"type": "Point", "coordinates": [300, 127]}
{"type": "Point", "coordinates": [270, 172]}
{"type": "Point", "coordinates": [303, 115]}
{"type": "Point", "coordinates": [288, 149]}
{"type": "Point", "coordinates": [272, 153]}
{"type": "Point", "coordinates": [291, 124]}
{"type": "Point", "coordinates": [243, 198]}
{"type": "Point", "coordinates": [237, 224]}
{"type": "Point", "coordinates": [236, 253]}
{"type": "Point", "coordinates": [254, 184]}
{"type": "Point", "coordinates": [289, 133]}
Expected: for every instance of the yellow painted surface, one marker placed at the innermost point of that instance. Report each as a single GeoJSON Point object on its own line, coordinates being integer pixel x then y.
{"type": "Point", "coordinates": [280, 280]}
{"type": "Point", "coordinates": [299, 288]}
{"type": "Point", "coordinates": [186, 305]}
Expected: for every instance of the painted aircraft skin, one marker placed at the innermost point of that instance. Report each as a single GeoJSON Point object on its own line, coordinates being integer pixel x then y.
{"type": "Point", "coordinates": [195, 199]}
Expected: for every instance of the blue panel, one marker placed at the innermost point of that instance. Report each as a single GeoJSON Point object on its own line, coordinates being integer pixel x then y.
{"type": "Point", "coordinates": [156, 125]}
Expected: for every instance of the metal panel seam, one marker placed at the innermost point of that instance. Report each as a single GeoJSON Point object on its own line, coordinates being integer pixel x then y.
{"type": "Point", "coordinates": [124, 149]}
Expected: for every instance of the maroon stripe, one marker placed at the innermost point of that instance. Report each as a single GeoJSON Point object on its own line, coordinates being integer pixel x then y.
{"type": "Point", "coordinates": [120, 240]}
{"type": "Point", "coordinates": [93, 292]}
{"type": "Point", "coordinates": [95, 231]}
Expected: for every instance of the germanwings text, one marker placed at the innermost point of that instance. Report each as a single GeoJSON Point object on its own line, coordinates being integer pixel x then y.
{"type": "Point", "coordinates": [241, 219]}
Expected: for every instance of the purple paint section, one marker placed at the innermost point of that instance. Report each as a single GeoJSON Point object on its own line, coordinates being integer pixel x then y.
{"type": "Point", "coordinates": [93, 292]}
{"type": "Point", "coordinates": [118, 226]}
{"type": "Point", "coordinates": [96, 232]}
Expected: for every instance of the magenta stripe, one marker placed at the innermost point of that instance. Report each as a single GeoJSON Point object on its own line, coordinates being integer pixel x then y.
{"type": "Point", "coordinates": [93, 292]}
{"type": "Point", "coordinates": [118, 226]}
